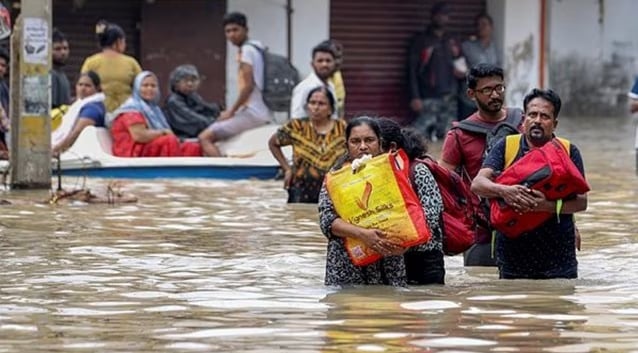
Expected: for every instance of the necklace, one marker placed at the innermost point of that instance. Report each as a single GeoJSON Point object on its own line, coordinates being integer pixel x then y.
{"type": "Point", "coordinates": [322, 130]}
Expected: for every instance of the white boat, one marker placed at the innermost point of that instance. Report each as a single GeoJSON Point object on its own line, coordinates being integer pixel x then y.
{"type": "Point", "coordinates": [249, 157]}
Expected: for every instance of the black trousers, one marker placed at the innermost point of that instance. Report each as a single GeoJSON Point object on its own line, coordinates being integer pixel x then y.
{"type": "Point", "coordinates": [425, 267]}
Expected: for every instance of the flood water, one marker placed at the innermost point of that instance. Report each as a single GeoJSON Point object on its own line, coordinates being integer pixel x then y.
{"type": "Point", "coordinates": [221, 266]}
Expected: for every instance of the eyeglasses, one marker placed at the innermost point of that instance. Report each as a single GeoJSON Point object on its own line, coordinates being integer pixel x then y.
{"type": "Point", "coordinates": [488, 90]}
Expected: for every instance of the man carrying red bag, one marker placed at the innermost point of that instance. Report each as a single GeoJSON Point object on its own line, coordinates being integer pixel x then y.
{"type": "Point", "coordinates": [549, 250]}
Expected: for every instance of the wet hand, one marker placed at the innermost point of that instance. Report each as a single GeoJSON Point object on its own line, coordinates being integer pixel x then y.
{"type": "Point", "coordinates": [287, 178]}
{"type": "Point", "coordinates": [520, 198]}
{"type": "Point", "coordinates": [378, 241]}
{"type": "Point", "coordinates": [578, 239]}
{"type": "Point", "coordinates": [542, 203]}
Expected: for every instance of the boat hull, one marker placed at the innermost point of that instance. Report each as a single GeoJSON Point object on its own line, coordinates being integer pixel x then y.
{"type": "Point", "coordinates": [175, 172]}
{"type": "Point", "coordinates": [249, 158]}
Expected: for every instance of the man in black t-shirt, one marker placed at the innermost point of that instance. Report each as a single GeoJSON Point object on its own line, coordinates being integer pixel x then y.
{"type": "Point", "coordinates": [548, 251]}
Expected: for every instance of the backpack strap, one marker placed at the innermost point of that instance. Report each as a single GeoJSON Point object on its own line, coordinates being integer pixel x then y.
{"type": "Point", "coordinates": [513, 117]}
{"type": "Point", "coordinates": [565, 142]}
{"type": "Point", "coordinates": [254, 45]}
{"type": "Point", "coordinates": [513, 144]}
{"type": "Point", "coordinates": [262, 52]}
{"type": "Point", "coordinates": [473, 126]}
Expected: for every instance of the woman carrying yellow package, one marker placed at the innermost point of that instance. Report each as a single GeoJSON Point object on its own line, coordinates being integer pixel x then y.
{"type": "Point", "coordinates": [370, 213]}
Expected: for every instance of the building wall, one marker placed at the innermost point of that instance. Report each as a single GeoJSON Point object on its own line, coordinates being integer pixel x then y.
{"type": "Point", "coordinates": [376, 36]}
{"type": "Point", "coordinates": [521, 47]}
{"type": "Point", "coordinates": [199, 41]}
{"type": "Point", "coordinates": [267, 23]}
{"type": "Point", "coordinates": [592, 61]}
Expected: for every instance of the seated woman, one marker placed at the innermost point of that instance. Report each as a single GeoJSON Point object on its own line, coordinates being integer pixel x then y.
{"type": "Point", "coordinates": [87, 110]}
{"type": "Point", "coordinates": [139, 128]}
{"type": "Point", "coordinates": [186, 111]}
{"type": "Point", "coordinates": [317, 142]}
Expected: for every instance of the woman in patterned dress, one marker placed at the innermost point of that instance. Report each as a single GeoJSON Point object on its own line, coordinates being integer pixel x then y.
{"type": "Point", "coordinates": [365, 136]}
{"type": "Point", "coordinates": [317, 142]}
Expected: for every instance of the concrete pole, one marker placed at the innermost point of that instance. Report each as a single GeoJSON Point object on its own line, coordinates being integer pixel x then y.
{"type": "Point", "coordinates": [31, 97]}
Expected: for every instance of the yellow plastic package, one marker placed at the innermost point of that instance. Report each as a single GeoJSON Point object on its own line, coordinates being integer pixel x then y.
{"type": "Point", "coordinates": [378, 195]}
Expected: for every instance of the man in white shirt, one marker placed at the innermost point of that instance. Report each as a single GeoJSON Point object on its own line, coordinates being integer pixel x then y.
{"type": "Point", "coordinates": [323, 65]}
{"type": "Point", "coordinates": [249, 110]}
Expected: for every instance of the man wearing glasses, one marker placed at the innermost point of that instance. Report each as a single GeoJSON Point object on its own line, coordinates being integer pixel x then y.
{"type": "Point", "coordinates": [468, 142]}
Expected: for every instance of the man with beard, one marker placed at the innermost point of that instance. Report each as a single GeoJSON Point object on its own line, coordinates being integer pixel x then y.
{"type": "Point", "coordinates": [549, 251]}
{"type": "Point", "coordinates": [60, 87]}
{"type": "Point", "coordinates": [464, 149]}
{"type": "Point", "coordinates": [323, 66]}
{"type": "Point", "coordinates": [435, 67]}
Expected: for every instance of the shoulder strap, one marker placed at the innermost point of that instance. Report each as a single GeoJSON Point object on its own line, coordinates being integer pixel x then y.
{"type": "Point", "coordinates": [473, 126]}
{"type": "Point", "coordinates": [566, 144]}
{"type": "Point", "coordinates": [514, 116]}
{"type": "Point", "coordinates": [512, 145]}
{"type": "Point", "coordinates": [259, 49]}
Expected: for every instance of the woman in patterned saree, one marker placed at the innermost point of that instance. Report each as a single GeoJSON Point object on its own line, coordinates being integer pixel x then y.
{"type": "Point", "coordinates": [317, 142]}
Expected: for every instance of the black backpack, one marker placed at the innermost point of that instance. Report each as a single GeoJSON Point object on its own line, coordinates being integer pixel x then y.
{"type": "Point", "coordinates": [492, 133]}
{"type": "Point", "coordinates": [280, 78]}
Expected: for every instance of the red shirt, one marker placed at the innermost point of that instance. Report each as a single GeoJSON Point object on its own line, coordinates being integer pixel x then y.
{"type": "Point", "coordinates": [464, 148]}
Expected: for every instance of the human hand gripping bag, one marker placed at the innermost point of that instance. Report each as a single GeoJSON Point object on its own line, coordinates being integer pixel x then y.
{"type": "Point", "coordinates": [378, 195]}
{"type": "Point", "coordinates": [548, 169]}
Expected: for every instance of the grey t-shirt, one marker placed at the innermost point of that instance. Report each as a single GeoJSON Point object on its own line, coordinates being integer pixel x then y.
{"type": "Point", "coordinates": [476, 53]}
{"type": "Point", "coordinates": [60, 89]}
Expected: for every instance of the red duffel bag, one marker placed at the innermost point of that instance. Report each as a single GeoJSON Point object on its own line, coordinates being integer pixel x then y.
{"type": "Point", "coordinates": [548, 169]}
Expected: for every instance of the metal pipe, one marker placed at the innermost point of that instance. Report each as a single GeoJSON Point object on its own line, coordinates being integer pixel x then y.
{"type": "Point", "coordinates": [289, 29]}
{"type": "Point", "coordinates": [59, 173]}
{"type": "Point", "coordinates": [541, 50]}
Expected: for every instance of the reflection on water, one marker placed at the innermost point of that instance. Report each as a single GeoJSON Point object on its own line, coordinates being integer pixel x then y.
{"type": "Point", "coordinates": [229, 267]}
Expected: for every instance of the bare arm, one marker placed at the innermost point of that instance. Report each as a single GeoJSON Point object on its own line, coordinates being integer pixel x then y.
{"type": "Point", "coordinates": [275, 149]}
{"type": "Point", "coordinates": [141, 134]}
{"type": "Point", "coordinates": [633, 106]}
{"type": "Point", "coordinates": [577, 204]}
{"type": "Point", "coordinates": [247, 84]}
